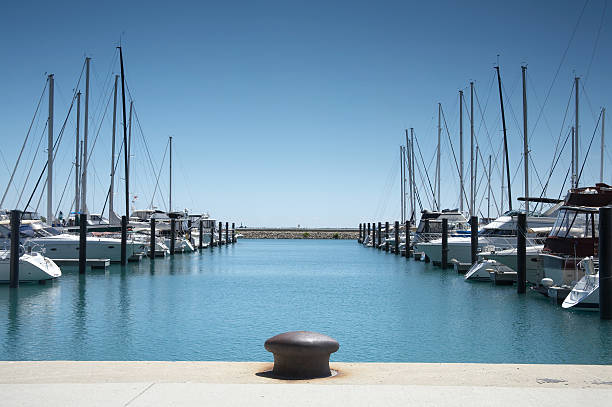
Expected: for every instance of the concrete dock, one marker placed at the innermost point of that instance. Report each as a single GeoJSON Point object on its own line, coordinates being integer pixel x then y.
{"type": "Point", "coordinates": [65, 383]}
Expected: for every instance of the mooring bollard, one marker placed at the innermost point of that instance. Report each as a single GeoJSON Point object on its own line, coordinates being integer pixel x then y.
{"type": "Point", "coordinates": [83, 243]}
{"type": "Point", "coordinates": [201, 227]}
{"type": "Point", "coordinates": [301, 354]}
{"type": "Point", "coordinates": [379, 235]}
{"type": "Point", "coordinates": [444, 260]}
{"type": "Point", "coordinates": [396, 245]}
{"type": "Point", "coordinates": [233, 232]}
{"type": "Point", "coordinates": [220, 242]}
{"type": "Point", "coordinates": [172, 235]}
{"type": "Point", "coordinates": [227, 233]}
{"type": "Point", "coordinates": [605, 262]}
{"type": "Point", "coordinates": [407, 251]}
{"type": "Point", "coordinates": [386, 236]}
{"type": "Point", "coordinates": [521, 254]}
{"type": "Point", "coordinates": [152, 242]}
{"type": "Point", "coordinates": [359, 238]}
{"type": "Point", "coordinates": [124, 222]}
{"type": "Point", "coordinates": [14, 266]}
{"type": "Point", "coordinates": [474, 238]}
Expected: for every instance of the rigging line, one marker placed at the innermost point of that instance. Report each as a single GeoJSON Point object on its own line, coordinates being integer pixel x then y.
{"type": "Point", "coordinates": [453, 151]}
{"type": "Point", "coordinates": [55, 148]}
{"type": "Point", "coordinates": [562, 60]}
{"type": "Point", "coordinates": [24, 143]}
{"type": "Point", "coordinates": [426, 173]}
{"type": "Point", "coordinates": [93, 146]}
{"type": "Point", "coordinates": [564, 182]}
{"type": "Point", "coordinates": [25, 183]}
{"type": "Point", "coordinates": [64, 190]}
{"type": "Point", "coordinates": [588, 100]}
{"type": "Point", "coordinates": [386, 186]}
{"type": "Point", "coordinates": [497, 152]}
{"type": "Point", "coordinates": [161, 166]}
{"type": "Point", "coordinates": [420, 171]}
{"type": "Point", "coordinates": [603, 14]}
{"type": "Point", "coordinates": [535, 95]}
{"type": "Point", "coordinates": [117, 161]}
{"type": "Point", "coordinates": [8, 170]}
{"type": "Point", "coordinates": [589, 149]}
{"type": "Point", "coordinates": [555, 162]}
{"type": "Point", "coordinates": [144, 140]}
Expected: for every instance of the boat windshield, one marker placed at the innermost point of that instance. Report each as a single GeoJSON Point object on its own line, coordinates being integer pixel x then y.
{"type": "Point", "coordinates": [576, 224]}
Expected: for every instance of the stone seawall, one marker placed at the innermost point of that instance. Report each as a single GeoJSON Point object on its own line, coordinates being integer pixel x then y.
{"type": "Point", "coordinates": [298, 233]}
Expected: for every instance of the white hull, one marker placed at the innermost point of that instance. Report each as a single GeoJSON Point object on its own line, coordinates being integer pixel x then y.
{"type": "Point", "coordinates": [66, 246]}
{"type": "Point", "coordinates": [535, 270]}
{"type": "Point", "coordinates": [32, 267]}
{"type": "Point", "coordinates": [585, 294]}
{"type": "Point", "coordinates": [481, 271]}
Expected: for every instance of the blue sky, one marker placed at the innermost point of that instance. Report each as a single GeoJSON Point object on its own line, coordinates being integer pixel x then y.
{"type": "Point", "coordinates": [287, 112]}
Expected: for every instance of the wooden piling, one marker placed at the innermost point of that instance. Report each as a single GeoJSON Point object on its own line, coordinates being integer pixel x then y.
{"type": "Point", "coordinates": [407, 251]}
{"type": "Point", "coordinates": [220, 242]}
{"type": "Point", "coordinates": [83, 243]}
{"type": "Point", "coordinates": [366, 236]}
{"type": "Point", "coordinates": [15, 237]}
{"type": "Point", "coordinates": [227, 233]}
{"type": "Point", "coordinates": [152, 241]}
{"type": "Point", "coordinates": [172, 235]}
{"type": "Point", "coordinates": [233, 232]}
{"type": "Point", "coordinates": [359, 238]}
{"type": "Point", "coordinates": [379, 243]}
{"type": "Point", "coordinates": [605, 262]}
{"type": "Point", "coordinates": [212, 235]}
{"type": "Point", "coordinates": [521, 254]}
{"type": "Point", "coordinates": [373, 235]}
{"type": "Point", "coordinates": [124, 240]}
{"type": "Point", "coordinates": [444, 260]}
{"type": "Point", "coordinates": [201, 232]}
{"type": "Point", "coordinates": [396, 245]}
{"type": "Point", "coordinates": [386, 236]}
{"type": "Point", "coordinates": [474, 238]}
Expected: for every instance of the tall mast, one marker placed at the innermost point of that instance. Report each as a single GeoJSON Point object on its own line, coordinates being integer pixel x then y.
{"type": "Point", "coordinates": [525, 147]}
{"type": "Point", "coordinates": [461, 151]}
{"type": "Point", "coordinates": [111, 195]}
{"type": "Point", "coordinates": [170, 203]}
{"type": "Point", "coordinates": [503, 178]}
{"type": "Point", "coordinates": [84, 160]}
{"type": "Point", "coordinates": [438, 158]}
{"type": "Point", "coordinates": [412, 183]}
{"type": "Point", "coordinates": [603, 144]}
{"type": "Point", "coordinates": [489, 190]}
{"type": "Point", "coordinates": [576, 139]}
{"type": "Point", "coordinates": [573, 157]}
{"type": "Point", "coordinates": [125, 141]}
{"type": "Point", "coordinates": [401, 184]}
{"type": "Point", "coordinates": [471, 148]}
{"type": "Point", "coordinates": [77, 167]}
{"type": "Point", "coordinates": [409, 160]}
{"type": "Point", "coordinates": [50, 154]}
{"type": "Point", "coordinates": [501, 103]}
{"type": "Point", "coordinates": [476, 171]}
{"type": "Point", "coordinates": [130, 135]}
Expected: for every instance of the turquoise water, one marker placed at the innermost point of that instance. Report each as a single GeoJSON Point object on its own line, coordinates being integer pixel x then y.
{"type": "Point", "coordinates": [223, 304]}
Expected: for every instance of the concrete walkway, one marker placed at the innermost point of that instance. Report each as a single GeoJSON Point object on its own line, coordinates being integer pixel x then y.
{"type": "Point", "coordinates": [356, 384]}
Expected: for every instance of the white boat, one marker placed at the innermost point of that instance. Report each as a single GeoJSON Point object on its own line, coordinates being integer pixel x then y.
{"type": "Point", "coordinates": [32, 267]}
{"type": "Point", "coordinates": [57, 245]}
{"type": "Point", "coordinates": [481, 271]}
{"type": "Point", "coordinates": [500, 234]}
{"type": "Point", "coordinates": [507, 257]}
{"type": "Point", "coordinates": [585, 294]}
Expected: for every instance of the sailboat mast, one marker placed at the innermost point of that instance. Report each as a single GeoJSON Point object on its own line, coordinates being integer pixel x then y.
{"type": "Point", "coordinates": [471, 148]}
{"type": "Point", "coordinates": [402, 184]}
{"type": "Point", "coordinates": [125, 141]}
{"type": "Point", "coordinates": [77, 167]}
{"type": "Point", "coordinates": [503, 115]}
{"type": "Point", "coordinates": [461, 151]}
{"type": "Point", "coordinates": [525, 146]}
{"type": "Point", "coordinates": [603, 144]}
{"type": "Point", "coordinates": [489, 190]}
{"type": "Point", "coordinates": [170, 203]}
{"type": "Point", "coordinates": [85, 133]}
{"type": "Point", "coordinates": [573, 158]}
{"type": "Point", "coordinates": [412, 183]}
{"type": "Point", "coordinates": [409, 160]}
{"type": "Point", "coordinates": [438, 158]}
{"type": "Point", "coordinates": [576, 140]}
{"type": "Point", "coordinates": [111, 194]}
{"type": "Point", "coordinates": [50, 154]}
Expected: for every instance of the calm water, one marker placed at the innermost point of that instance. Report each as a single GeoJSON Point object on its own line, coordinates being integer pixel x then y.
{"type": "Point", "coordinates": [222, 305]}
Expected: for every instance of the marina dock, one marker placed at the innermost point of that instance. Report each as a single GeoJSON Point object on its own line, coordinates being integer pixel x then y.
{"type": "Point", "coordinates": [62, 383]}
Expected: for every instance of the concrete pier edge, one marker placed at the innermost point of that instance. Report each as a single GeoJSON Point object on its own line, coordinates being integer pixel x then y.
{"type": "Point", "coordinates": [233, 383]}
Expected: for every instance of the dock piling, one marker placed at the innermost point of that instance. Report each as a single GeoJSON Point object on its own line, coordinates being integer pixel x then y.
{"type": "Point", "coordinates": [123, 240]}
{"type": "Point", "coordinates": [212, 235]}
{"type": "Point", "coordinates": [521, 254]}
{"type": "Point", "coordinates": [444, 259]}
{"type": "Point", "coordinates": [407, 251]}
{"type": "Point", "coordinates": [474, 238]}
{"type": "Point", "coordinates": [396, 244]}
{"type": "Point", "coordinates": [227, 233]}
{"type": "Point", "coordinates": [605, 262]}
{"type": "Point", "coordinates": [359, 238]}
{"type": "Point", "coordinates": [379, 235]}
{"type": "Point", "coordinates": [201, 233]}
{"type": "Point", "coordinates": [14, 270]}
{"type": "Point", "coordinates": [83, 242]}
{"type": "Point", "coordinates": [373, 235]}
{"type": "Point", "coordinates": [172, 235]}
{"type": "Point", "coordinates": [152, 242]}
{"type": "Point", "coordinates": [220, 242]}
{"type": "Point", "coordinates": [366, 236]}
{"type": "Point", "coordinates": [233, 232]}
{"type": "Point", "coordinates": [386, 236]}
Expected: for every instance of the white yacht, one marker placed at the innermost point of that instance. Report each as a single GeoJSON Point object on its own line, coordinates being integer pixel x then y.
{"type": "Point", "coordinates": [585, 294]}
{"type": "Point", "coordinates": [32, 267]}
{"type": "Point", "coordinates": [59, 245]}
{"type": "Point", "coordinates": [499, 234]}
